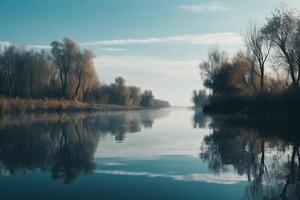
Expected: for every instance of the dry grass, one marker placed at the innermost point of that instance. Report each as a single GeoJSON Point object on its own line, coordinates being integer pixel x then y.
{"type": "Point", "coordinates": [16, 105]}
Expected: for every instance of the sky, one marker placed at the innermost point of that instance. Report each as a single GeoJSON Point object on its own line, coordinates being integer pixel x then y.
{"type": "Point", "coordinates": [155, 44]}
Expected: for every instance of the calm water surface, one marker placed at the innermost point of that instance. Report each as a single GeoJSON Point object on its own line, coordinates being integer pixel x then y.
{"type": "Point", "coordinates": [161, 154]}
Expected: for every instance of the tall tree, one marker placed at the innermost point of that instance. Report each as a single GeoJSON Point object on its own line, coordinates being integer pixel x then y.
{"type": "Point", "coordinates": [134, 95]}
{"type": "Point", "coordinates": [147, 99]}
{"type": "Point", "coordinates": [283, 30]}
{"type": "Point", "coordinates": [211, 67]}
{"type": "Point", "coordinates": [260, 47]}
{"type": "Point", "coordinates": [64, 55]}
{"type": "Point", "coordinates": [84, 74]}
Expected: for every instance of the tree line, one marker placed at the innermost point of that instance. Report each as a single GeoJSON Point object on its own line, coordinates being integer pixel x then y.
{"type": "Point", "coordinates": [65, 71]}
{"type": "Point", "coordinates": [267, 72]}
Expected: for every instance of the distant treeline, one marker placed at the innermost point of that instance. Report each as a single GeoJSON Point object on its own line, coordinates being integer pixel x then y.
{"type": "Point", "coordinates": [264, 79]}
{"type": "Point", "coordinates": [66, 71]}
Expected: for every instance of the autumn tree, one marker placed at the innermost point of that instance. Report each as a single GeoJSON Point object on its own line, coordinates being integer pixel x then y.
{"type": "Point", "coordinates": [134, 95]}
{"type": "Point", "coordinates": [64, 54]}
{"type": "Point", "coordinates": [65, 71]}
{"type": "Point", "coordinates": [227, 76]}
{"type": "Point", "coordinates": [75, 68]}
{"type": "Point", "coordinates": [84, 75]}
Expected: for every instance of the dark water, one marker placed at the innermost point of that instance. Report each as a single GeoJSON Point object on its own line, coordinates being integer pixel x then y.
{"type": "Point", "coordinates": [161, 154]}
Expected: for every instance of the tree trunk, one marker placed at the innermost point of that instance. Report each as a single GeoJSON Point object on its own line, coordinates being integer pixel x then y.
{"type": "Point", "coordinates": [31, 86]}
{"type": "Point", "coordinates": [78, 85]}
{"type": "Point", "coordinates": [262, 80]}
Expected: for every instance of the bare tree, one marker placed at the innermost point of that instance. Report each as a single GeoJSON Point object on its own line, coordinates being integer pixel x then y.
{"type": "Point", "coordinates": [212, 64]}
{"type": "Point", "coordinates": [210, 67]}
{"type": "Point", "coordinates": [283, 30]}
{"type": "Point", "coordinates": [260, 47]}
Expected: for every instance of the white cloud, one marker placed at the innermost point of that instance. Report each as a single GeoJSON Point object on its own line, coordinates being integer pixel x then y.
{"type": "Point", "coordinates": [224, 38]}
{"type": "Point", "coordinates": [48, 47]}
{"type": "Point", "coordinates": [7, 43]}
{"type": "Point", "coordinates": [224, 178]}
{"type": "Point", "coordinates": [143, 67]}
{"type": "Point", "coordinates": [205, 7]}
{"type": "Point", "coordinates": [4, 43]}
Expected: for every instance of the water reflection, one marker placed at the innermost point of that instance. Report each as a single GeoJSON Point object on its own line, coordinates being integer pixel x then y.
{"type": "Point", "coordinates": [200, 120]}
{"type": "Point", "coordinates": [267, 155]}
{"type": "Point", "coordinates": [239, 157]}
{"type": "Point", "coordinates": [63, 144]}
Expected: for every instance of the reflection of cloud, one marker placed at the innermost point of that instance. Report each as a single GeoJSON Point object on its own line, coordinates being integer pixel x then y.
{"type": "Point", "coordinates": [205, 7]}
{"type": "Point", "coordinates": [115, 164]}
{"type": "Point", "coordinates": [225, 178]}
{"type": "Point", "coordinates": [222, 38]}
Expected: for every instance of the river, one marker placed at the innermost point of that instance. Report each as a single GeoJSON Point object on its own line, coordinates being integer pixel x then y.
{"type": "Point", "coordinates": [174, 153]}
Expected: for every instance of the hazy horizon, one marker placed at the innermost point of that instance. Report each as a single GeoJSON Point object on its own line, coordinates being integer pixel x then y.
{"type": "Point", "coordinates": [155, 45]}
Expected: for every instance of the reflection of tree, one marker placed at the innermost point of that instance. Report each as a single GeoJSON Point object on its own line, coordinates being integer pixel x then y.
{"type": "Point", "coordinates": [74, 153]}
{"type": "Point", "coordinates": [291, 189]}
{"type": "Point", "coordinates": [225, 148]}
{"type": "Point", "coordinates": [120, 123]}
{"type": "Point", "coordinates": [243, 147]}
{"type": "Point", "coordinates": [200, 120]}
{"type": "Point", "coordinates": [65, 145]}
{"type": "Point", "coordinates": [56, 147]}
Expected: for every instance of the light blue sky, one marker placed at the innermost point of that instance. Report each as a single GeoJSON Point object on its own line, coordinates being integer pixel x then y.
{"type": "Point", "coordinates": [156, 44]}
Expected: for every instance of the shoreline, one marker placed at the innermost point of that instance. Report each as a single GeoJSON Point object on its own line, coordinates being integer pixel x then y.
{"type": "Point", "coordinates": [18, 105]}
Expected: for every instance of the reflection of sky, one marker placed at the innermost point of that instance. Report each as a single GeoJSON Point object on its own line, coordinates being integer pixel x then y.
{"type": "Point", "coordinates": [172, 135]}
{"type": "Point", "coordinates": [169, 150]}
{"type": "Point", "coordinates": [156, 163]}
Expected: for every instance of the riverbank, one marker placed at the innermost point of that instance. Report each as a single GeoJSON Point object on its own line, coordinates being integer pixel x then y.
{"type": "Point", "coordinates": [285, 103]}
{"type": "Point", "coordinates": [17, 105]}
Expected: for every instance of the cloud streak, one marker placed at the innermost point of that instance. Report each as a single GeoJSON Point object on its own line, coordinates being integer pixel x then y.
{"type": "Point", "coordinates": [224, 38]}
{"type": "Point", "coordinates": [205, 7]}
{"type": "Point", "coordinates": [113, 49]}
